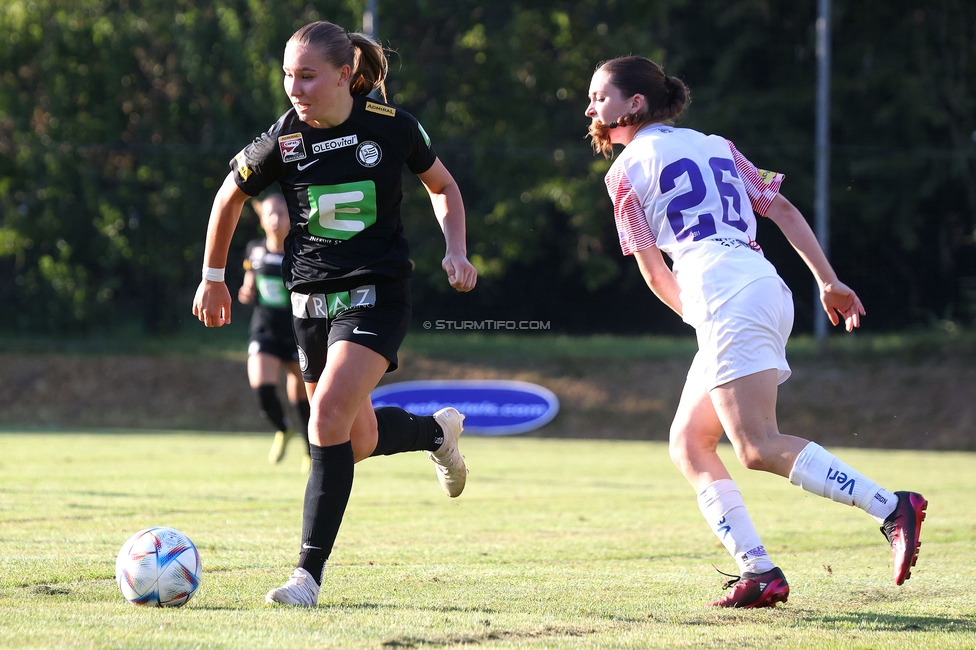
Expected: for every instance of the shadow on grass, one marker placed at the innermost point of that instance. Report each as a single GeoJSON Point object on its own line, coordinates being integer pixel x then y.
{"type": "Point", "coordinates": [896, 622]}
{"type": "Point", "coordinates": [487, 635]}
{"type": "Point", "coordinates": [443, 610]}
{"type": "Point", "coordinates": [862, 621]}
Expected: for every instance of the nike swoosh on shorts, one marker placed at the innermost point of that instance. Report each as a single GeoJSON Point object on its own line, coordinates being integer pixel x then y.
{"type": "Point", "coordinates": [356, 330]}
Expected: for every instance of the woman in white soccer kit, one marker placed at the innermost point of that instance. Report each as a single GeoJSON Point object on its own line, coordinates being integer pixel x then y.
{"type": "Point", "coordinates": [695, 198]}
{"type": "Point", "coordinates": [339, 157]}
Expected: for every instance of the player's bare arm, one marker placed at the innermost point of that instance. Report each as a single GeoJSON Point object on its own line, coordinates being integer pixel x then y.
{"type": "Point", "coordinates": [211, 304]}
{"type": "Point", "coordinates": [839, 300]}
{"type": "Point", "coordinates": [248, 291]}
{"type": "Point", "coordinates": [659, 277]}
{"type": "Point", "coordinates": [445, 197]}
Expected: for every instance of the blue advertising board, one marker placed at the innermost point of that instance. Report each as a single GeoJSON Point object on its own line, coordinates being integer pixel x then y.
{"type": "Point", "coordinates": [491, 407]}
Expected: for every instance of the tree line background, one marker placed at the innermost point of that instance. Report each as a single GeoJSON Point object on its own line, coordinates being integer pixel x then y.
{"type": "Point", "coordinates": [118, 117]}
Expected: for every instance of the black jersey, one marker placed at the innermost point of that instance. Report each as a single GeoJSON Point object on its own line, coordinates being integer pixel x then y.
{"type": "Point", "coordinates": [271, 319]}
{"type": "Point", "coordinates": [343, 187]}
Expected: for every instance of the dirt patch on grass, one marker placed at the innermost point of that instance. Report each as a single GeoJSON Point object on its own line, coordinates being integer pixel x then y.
{"type": "Point", "coordinates": [893, 403]}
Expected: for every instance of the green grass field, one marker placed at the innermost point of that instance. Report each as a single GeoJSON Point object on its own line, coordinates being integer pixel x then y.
{"type": "Point", "coordinates": [554, 544]}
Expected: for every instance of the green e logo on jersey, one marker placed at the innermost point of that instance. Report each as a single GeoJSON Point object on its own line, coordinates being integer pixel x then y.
{"type": "Point", "coordinates": [341, 211]}
{"type": "Point", "coordinates": [272, 292]}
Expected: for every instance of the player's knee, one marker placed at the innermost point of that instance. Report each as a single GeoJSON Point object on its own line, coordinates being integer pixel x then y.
{"type": "Point", "coordinates": [751, 458]}
{"type": "Point", "coordinates": [328, 422]}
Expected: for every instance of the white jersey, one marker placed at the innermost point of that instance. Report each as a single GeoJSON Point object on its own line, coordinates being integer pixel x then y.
{"type": "Point", "coordinates": [693, 195]}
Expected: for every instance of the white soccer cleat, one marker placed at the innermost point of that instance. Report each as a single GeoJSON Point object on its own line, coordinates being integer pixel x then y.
{"type": "Point", "coordinates": [301, 590]}
{"type": "Point", "coordinates": [448, 460]}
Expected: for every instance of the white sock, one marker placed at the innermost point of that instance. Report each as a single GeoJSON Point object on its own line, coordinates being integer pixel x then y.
{"type": "Point", "coordinates": [721, 504]}
{"type": "Point", "coordinates": [819, 472]}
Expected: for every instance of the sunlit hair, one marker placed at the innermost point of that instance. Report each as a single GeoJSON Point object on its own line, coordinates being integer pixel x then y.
{"type": "Point", "coordinates": [664, 97]}
{"type": "Point", "coordinates": [339, 47]}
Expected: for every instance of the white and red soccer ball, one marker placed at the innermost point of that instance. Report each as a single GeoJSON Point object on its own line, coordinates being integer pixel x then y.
{"type": "Point", "coordinates": [159, 567]}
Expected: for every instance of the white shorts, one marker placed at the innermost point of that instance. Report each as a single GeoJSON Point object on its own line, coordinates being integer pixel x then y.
{"type": "Point", "coordinates": [746, 334]}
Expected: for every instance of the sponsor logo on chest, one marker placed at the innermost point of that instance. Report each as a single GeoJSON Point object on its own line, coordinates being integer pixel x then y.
{"type": "Point", "coordinates": [337, 143]}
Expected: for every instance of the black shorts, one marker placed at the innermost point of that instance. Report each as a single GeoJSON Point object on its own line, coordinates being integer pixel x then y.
{"type": "Point", "coordinates": [375, 316]}
{"type": "Point", "coordinates": [287, 351]}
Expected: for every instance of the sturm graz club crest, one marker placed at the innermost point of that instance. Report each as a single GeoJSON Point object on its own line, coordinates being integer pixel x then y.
{"type": "Point", "coordinates": [369, 154]}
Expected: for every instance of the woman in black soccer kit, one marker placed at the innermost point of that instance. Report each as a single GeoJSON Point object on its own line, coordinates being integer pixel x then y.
{"type": "Point", "coordinates": [272, 341]}
{"type": "Point", "coordinates": [338, 157]}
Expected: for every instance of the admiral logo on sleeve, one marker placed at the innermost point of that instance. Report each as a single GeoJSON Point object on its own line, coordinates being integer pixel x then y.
{"type": "Point", "coordinates": [292, 147]}
{"type": "Point", "coordinates": [380, 108]}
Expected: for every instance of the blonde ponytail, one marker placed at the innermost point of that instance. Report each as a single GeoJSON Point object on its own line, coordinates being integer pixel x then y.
{"type": "Point", "coordinates": [371, 66]}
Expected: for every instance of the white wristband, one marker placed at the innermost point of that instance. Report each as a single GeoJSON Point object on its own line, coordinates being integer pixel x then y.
{"type": "Point", "coordinates": [212, 274]}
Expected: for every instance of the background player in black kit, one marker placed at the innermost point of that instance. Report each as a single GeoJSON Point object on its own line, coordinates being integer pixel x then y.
{"type": "Point", "coordinates": [272, 341]}
{"type": "Point", "coordinates": [338, 157]}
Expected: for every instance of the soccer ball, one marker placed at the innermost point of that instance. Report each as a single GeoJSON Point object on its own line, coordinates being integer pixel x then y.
{"type": "Point", "coordinates": [158, 566]}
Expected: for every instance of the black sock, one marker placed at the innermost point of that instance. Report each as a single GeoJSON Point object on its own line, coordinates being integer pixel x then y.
{"type": "Point", "coordinates": [326, 496]}
{"type": "Point", "coordinates": [271, 406]}
{"type": "Point", "coordinates": [398, 431]}
{"type": "Point", "coordinates": [304, 413]}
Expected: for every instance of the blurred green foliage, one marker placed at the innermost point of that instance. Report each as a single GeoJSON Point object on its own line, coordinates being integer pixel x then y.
{"type": "Point", "coordinates": [118, 117]}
